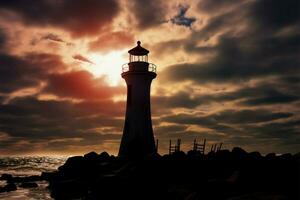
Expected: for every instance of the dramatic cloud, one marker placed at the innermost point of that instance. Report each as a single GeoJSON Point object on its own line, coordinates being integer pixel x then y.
{"type": "Point", "coordinates": [81, 85]}
{"type": "Point", "coordinates": [2, 39]}
{"type": "Point", "coordinates": [112, 41]}
{"type": "Point", "coordinates": [82, 58]}
{"type": "Point", "coordinates": [78, 17]}
{"type": "Point", "coordinates": [148, 13]}
{"type": "Point", "coordinates": [228, 71]}
{"type": "Point", "coordinates": [181, 19]}
{"type": "Point", "coordinates": [26, 71]}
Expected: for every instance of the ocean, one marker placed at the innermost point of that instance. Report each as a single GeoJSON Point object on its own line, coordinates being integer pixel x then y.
{"type": "Point", "coordinates": [27, 166]}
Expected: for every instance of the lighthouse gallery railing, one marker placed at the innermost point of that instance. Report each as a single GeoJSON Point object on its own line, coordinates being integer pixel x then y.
{"type": "Point", "coordinates": [151, 67]}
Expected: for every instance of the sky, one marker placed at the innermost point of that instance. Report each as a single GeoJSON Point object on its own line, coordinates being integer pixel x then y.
{"type": "Point", "coordinates": [227, 71]}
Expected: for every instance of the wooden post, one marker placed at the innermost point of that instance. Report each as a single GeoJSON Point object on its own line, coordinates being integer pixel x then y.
{"type": "Point", "coordinates": [204, 146]}
{"type": "Point", "coordinates": [195, 147]}
{"type": "Point", "coordinates": [178, 144]}
{"type": "Point", "coordinates": [220, 146]}
{"type": "Point", "coordinates": [215, 147]}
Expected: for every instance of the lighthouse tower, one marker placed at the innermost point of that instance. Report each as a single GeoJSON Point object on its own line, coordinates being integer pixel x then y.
{"type": "Point", "coordinates": [138, 140]}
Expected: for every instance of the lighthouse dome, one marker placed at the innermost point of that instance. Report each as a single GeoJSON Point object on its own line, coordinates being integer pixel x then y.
{"type": "Point", "coordinates": [138, 50]}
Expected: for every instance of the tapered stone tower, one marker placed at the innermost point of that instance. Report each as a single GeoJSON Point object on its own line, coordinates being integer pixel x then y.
{"type": "Point", "coordinates": [138, 140]}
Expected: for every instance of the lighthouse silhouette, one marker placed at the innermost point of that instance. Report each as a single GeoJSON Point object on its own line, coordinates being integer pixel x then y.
{"type": "Point", "coordinates": [138, 140]}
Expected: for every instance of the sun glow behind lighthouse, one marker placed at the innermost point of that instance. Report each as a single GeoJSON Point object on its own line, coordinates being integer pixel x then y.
{"type": "Point", "coordinates": [109, 64]}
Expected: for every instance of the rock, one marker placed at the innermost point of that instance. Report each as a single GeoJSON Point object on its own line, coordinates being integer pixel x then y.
{"type": "Point", "coordinates": [91, 156]}
{"type": "Point", "coordinates": [178, 155]}
{"type": "Point", "coordinates": [73, 163]}
{"type": "Point", "coordinates": [297, 156]}
{"type": "Point", "coordinates": [286, 156]}
{"type": "Point", "coordinates": [194, 154]}
{"type": "Point", "coordinates": [153, 156]}
{"type": "Point", "coordinates": [8, 188]}
{"type": "Point", "coordinates": [223, 155]}
{"type": "Point", "coordinates": [25, 179]}
{"type": "Point", "coordinates": [104, 156]}
{"type": "Point", "coordinates": [270, 156]}
{"type": "Point", "coordinates": [255, 155]}
{"type": "Point", "coordinates": [6, 177]}
{"type": "Point", "coordinates": [239, 153]}
{"type": "Point", "coordinates": [48, 175]}
{"type": "Point", "coordinates": [28, 185]}
{"type": "Point", "coordinates": [68, 189]}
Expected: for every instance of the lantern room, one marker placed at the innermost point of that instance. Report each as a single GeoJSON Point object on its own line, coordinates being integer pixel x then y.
{"type": "Point", "coordinates": [138, 54]}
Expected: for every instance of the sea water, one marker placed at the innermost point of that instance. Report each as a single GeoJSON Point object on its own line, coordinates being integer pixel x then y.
{"type": "Point", "coordinates": [27, 166]}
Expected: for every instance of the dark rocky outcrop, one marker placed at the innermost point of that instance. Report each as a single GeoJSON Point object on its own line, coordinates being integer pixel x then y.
{"type": "Point", "coordinates": [224, 174]}
{"type": "Point", "coordinates": [218, 175]}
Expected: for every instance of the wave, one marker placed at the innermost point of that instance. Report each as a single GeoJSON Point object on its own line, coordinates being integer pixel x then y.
{"type": "Point", "coordinates": [25, 166]}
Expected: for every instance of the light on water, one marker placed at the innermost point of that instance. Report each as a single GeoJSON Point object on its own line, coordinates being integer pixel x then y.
{"type": "Point", "coordinates": [28, 166]}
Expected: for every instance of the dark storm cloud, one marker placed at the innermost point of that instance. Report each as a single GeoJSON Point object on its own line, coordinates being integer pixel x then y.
{"type": "Point", "coordinates": [2, 39]}
{"type": "Point", "coordinates": [191, 119]}
{"type": "Point", "coordinates": [19, 72]}
{"type": "Point", "coordinates": [275, 14]}
{"type": "Point", "coordinates": [35, 119]}
{"type": "Point", "coordinates": [258, 51]}
{"type": "Point", "coordinates": [277, 91]}
{"type": "Point", "coordinates": [215, 5]}
{"type": "Point", "coordinates": [247, 116]}
{"type": "Point", "coordinates": [239, 59]}
{"type": "Point", "coordinates": [283, 130]}
{"type": "Point", "coordinates": [231, 124]}
{"type": "Point", "coordinates": [169, 129]}
{"type": "Point", "coordinates": [76, 16]}
{"type": "Point", "coordinates": [180, 19]}
{"type": "Point", "coordinates": [262, 94]}
{"type": "Point", "coordinates": [148, 13]}
{"type": "Point", "coordinates": [178, 100]}
{"type": "Point", "coordinates": [229, 117]}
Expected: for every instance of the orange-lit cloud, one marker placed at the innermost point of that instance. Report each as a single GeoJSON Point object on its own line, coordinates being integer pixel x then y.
{"type": "Point", "coordinates": [227, 71]}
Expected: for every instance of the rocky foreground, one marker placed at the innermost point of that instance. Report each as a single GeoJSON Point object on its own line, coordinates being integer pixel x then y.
{"type": "Point", "coordinates": [222, 175]}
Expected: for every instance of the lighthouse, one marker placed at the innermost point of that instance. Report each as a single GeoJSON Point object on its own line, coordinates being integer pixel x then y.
{"type": "Point", "coordinates": [138, 140]}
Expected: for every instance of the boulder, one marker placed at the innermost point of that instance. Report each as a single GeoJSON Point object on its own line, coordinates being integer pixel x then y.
{"type": "Point", "coordinates": [8, 188]}
{"type": "Point", "coordinates": [91, 156]}
{"type": "Point", "coordinates": [104, 156]}
{"type": "Point", "coordinates": [6, 177]}
{"type": "Point", "coordinates": [254, 155]}
{"type": "Point", "coordinates": [286, 156]}
{"type": "Point", "coordinates": [47, 176]}
{"type": "Point", "coordinates": [75, 162]}
{"type": "Point", "coordinates": [270, 156]}
{"type": "Point", "coordinates": [28, 185]}
{"type": "Point", "coordinates": [239, 153]}
{"type": "Point", "coordinates": [223, 155]}
{"type": "Point", "coordinates": [68, 189]}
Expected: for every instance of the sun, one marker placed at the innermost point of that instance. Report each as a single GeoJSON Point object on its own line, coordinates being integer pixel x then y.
{"type": "Point", "coordinates": [109, 64]}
